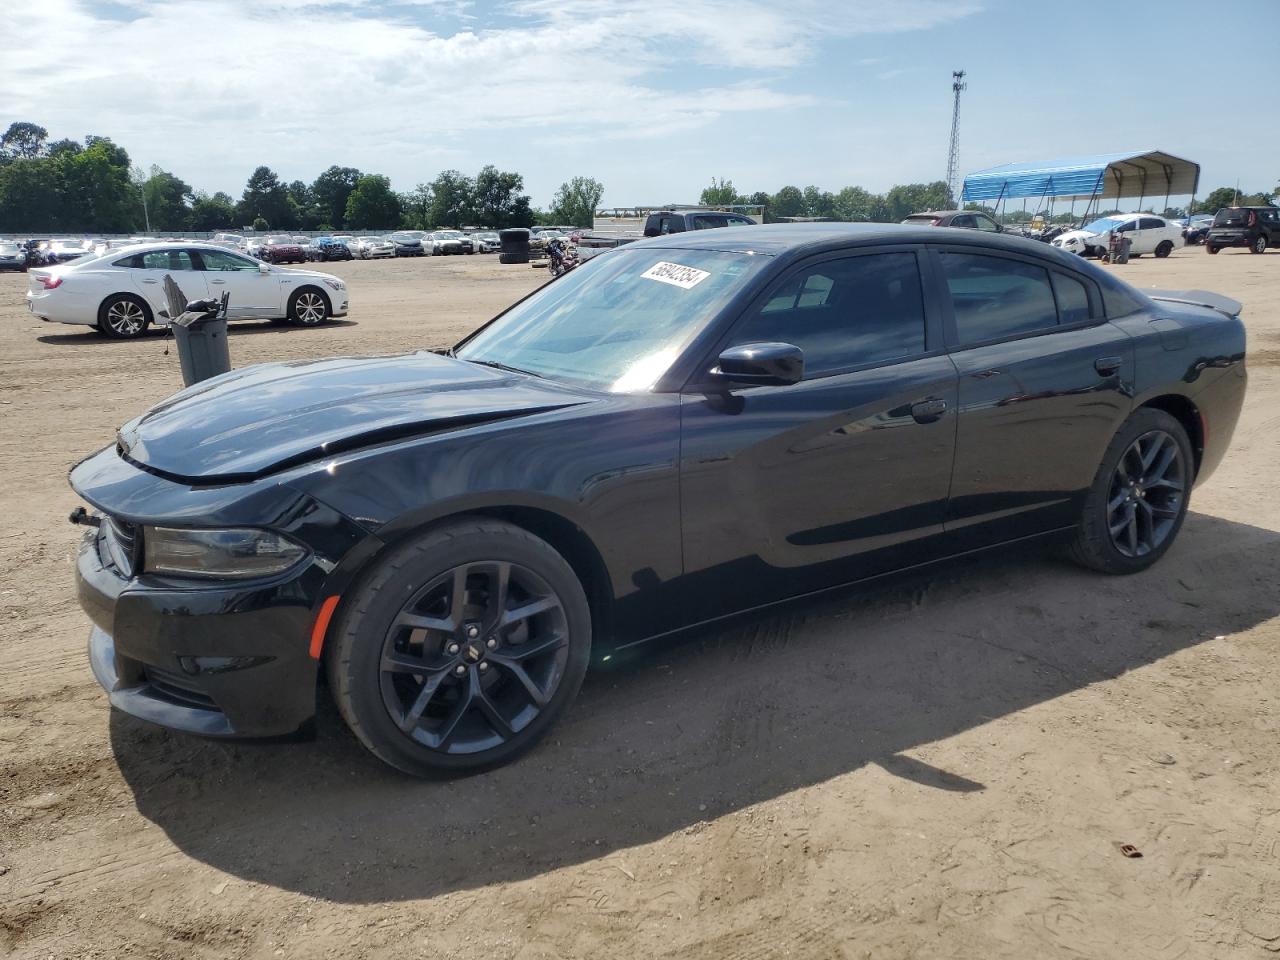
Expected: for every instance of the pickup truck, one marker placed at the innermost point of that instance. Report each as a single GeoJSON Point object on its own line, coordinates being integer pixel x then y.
{"type": "Point", "coordinates": [612, 228]}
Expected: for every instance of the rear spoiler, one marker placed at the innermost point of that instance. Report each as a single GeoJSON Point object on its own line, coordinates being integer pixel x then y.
{"type": "Point", "coordinates": [1199, 298]}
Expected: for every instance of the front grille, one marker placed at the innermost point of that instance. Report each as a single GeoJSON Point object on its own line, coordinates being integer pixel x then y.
{"type": "Point", "coordinates": [122, 545]}
{"type": "Point", "coordinates": [176, 688]}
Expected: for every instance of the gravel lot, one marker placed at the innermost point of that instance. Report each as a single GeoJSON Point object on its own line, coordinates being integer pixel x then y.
{"type": "Point", "coordinates": [941, 767]}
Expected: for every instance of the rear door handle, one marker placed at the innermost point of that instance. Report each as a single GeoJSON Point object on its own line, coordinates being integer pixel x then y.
{"type": "Point", "coordinates": [927, 411]}
{"type": "Point", "coordinates": [150, 281]}
{"type": "Point", "coordinates": [217, 281]}
{"type": "Point", "coordinates": [1107, 366]}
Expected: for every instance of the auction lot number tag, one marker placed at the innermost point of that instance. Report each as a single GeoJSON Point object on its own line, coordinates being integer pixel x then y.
{"type": "Point", "coordinates": [673, 273]}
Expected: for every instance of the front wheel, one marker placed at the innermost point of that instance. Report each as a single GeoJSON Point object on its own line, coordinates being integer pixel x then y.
{"type": "Point", "coordinates": [308, 307]}
{"type": "Point", "coordinates": [459, 651]}
{"type": "Point", "coordinates": [1210, 248]}
{"type": "Point", "coordinates": [1259, 244]}
{"type": "Point", "coordinates": [1164, 249]}
{"type": "Point", "coordinates": [1139, 495]}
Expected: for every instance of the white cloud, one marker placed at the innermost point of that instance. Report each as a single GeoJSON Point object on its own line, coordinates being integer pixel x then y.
{"type": "Point", "coordinates": [211, 88]}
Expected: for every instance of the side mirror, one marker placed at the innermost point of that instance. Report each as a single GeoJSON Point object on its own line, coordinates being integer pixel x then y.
{"type": "Point", "coordinates": [263, 268]}
{"type": "Point", "coordinates": [766, 364]}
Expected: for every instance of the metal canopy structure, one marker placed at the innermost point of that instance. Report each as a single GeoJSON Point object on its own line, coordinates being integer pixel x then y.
{"type": "Point", "coordinates": [1106, 176]}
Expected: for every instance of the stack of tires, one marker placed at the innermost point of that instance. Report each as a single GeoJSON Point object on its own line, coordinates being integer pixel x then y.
{"type": "Point", "coordinates": [515, 245]}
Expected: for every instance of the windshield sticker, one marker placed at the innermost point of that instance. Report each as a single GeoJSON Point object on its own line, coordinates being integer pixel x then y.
{"type": "Point", "coordinates": [686, 278]}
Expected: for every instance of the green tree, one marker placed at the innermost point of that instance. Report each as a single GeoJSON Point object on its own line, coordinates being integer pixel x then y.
{"type": "Point", "coordinates": [59, 147]}
{"type": "Point", "coordinates": [721, 193]}
{"type": "Point", "coordinates": [31, 196]}
{"type": "Point", "coordinates": [331, 191]}
{"type": "Point", "coordinates": [23, 141]}
{"type": "Point", "coordinates": [373, 205]}
{"type": "Point", "coordinates": [260, 225]}
{"type": "Point", "coordinates": [266, 197]}
{"type": "Point", "coordinates": [908, 198]}
{"type": "Point", "coordinates": [498, 200]}
{"type": "Point", "coordinates": [452, 199]}
{"type": "Point", "coordinates": [307, 212]}
{"type": "Point", "coordinates": [819, 203]}
{"type": "Point", "coordinates": [787, 202]}
{"type": "Point", "coordinates": [576, 202]}
{"type": "Point", "coordinates": [217, 212]}
{"type": "Point", "coordinates": [168, 200]}
{"type": "Point", "coordinates": [415, 208]}
{"type": "Point", "coordinates": [97, 192]}
{"type": "Point", "coordinates": [858, 205]}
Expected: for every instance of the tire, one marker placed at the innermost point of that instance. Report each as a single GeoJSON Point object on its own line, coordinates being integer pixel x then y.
{"type": "Point", "coordinates": [1155, 498]}
{"type": "Point", "coordinates": [1259, 244]}
{"type": "Point", "coordinates": [124, 316]}
{"type": "Point", "coordinates": [1210, 248]}
{"type": "Point", "coordinates": [513, 258]}
{"type": "Point", "coordinates": [1164, 249]}
{"type": "Point", "coordinates": [482, 709]}
{"type": "Point", "coordinates": [309, 307]}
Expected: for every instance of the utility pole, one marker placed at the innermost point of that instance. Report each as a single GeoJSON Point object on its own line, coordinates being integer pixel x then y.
{"type": "Point", "coordinates": [953, 155]}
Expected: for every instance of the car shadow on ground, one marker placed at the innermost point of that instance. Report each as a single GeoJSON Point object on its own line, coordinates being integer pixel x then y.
{"type": "Point", "coordinates": [698, 729]}
{"type": "Point", "coordinates": [236, 328]}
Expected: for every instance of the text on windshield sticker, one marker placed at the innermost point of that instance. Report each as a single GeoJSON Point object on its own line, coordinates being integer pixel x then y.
{"type": "Point", "coordinates": [673, 273]}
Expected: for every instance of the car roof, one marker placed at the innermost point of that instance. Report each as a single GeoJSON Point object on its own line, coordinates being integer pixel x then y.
{"type": "Point", "coordinates": [167, 245]}
{"type": "Point", "coordinates": [940, 213]}
{"type": "Point", "coordinates": [798, 239]}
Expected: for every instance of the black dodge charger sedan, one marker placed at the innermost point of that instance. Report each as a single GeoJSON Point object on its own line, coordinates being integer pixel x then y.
{"type": "Point", "coordinates": [685, 428]}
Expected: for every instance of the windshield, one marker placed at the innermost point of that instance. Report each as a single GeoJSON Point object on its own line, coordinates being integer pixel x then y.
{"type": "Point", "coordinates": [1103, 225]}
{"type": "Point", "coordinates": [617, 322]}
{"type": "Point", "coordinates": [1231, 217]}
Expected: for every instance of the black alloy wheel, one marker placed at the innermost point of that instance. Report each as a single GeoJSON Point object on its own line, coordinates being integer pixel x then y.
{"type": "Point", "coordinates": [459, 650]}
{"type": "Point", "coordinates": [1147, 489]}
{"type": "Point", "coordinates": [1139, 496]}
{"type": "Point", "coordinates": [474, 657]}
{"type": "Point", "coordinates": [1164, 249]}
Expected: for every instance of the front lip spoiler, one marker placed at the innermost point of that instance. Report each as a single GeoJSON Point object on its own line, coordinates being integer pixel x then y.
{"type": "Point", "coordinates": [135, 702]}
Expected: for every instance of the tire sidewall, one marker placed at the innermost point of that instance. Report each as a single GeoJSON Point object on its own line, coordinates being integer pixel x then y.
{"type": "Point", "coordinates": [106, 327]}
{"type": "Point", "coordinates": [293, 307]}
{"type": "Point", "coordinates": [1094, 522]}
{"type": "Point", "coordinates": [363, 624]}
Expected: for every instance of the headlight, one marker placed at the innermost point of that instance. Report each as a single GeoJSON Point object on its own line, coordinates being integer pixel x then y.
{"type": "Point", "coordinates": [335, 284]}
{"type": "Point", "coordinates": [218, 553]}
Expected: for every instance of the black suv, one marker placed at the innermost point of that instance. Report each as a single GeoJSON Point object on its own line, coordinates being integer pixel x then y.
{"type": "Point", "coordinates": [677, 221]}
{"type": "Point", "coordinates": [1254, 227]}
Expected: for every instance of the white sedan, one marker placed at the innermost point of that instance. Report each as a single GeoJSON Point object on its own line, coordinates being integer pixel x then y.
{"type": "Point", "coordinates": [373, 248]}
{"type": "Point", "coordinates": [1150, 234]}
{"type": "Point", "coordinates": [121, 293]}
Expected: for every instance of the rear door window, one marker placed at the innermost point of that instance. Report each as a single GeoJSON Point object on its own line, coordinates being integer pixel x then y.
{"type": "Point", "coordinates": [994, 298]}
{"type": "Point", "coordinates": [1151, 223]}
{"type": "Point", "coordinates": [1073, 299]}
{"type": "Point", "coordinates": [171, 260]}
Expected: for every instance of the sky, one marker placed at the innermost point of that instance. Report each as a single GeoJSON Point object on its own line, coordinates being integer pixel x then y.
{"type": "Point", "coordinates": [651, 97]}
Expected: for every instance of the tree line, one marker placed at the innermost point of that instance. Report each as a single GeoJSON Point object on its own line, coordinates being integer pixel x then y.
{"type": "Point", "coordinates": [92, 187]}
{"type": "Point", "coordinates": [858, 205]}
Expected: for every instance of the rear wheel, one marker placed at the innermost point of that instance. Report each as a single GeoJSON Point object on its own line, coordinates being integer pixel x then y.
{"type": "Point", "coordinates": [124, 316]}
{"type": "Point", "coordinates": [1210, 248]}
{"type": "Point", "coordinates": [461, 649]}
{"type": "Point", "coordinates": [308, 307]}
{"type": "Point", "coordinates": [1259, 244]}
{"type": "Point", "coordinates": [1139, 497]}
{"type": "Point", "coordinates": [1164, 249]}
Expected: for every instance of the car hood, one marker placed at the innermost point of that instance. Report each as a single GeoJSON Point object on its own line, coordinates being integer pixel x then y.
{"type": "Point", "coordinates": [266, 418]}
{"type": "Point", "coordinates": [1075, 235]}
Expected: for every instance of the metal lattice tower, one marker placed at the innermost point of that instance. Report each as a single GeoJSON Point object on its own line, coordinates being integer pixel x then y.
{"type": "Point", "coordinates": [953, 155]}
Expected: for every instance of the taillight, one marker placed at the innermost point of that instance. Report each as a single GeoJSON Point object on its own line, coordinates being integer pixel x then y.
{"type": "Point", "coordinates": [51, 283]}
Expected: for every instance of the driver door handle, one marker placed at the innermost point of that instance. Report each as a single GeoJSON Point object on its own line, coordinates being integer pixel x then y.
{"type": "Point", "coordinates": [217, 281]}
{"type": "Point", "coordinates": [927, 411]}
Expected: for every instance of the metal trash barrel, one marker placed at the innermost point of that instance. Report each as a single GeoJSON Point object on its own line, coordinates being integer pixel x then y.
{"type": "Point", "coordinates": [1119, 248]}
{"type": "Point", "coordinates": [200, 334]}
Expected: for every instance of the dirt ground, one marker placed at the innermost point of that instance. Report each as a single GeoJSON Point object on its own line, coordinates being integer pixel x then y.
{"type": "Point", "coordinates": [942, 767]}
